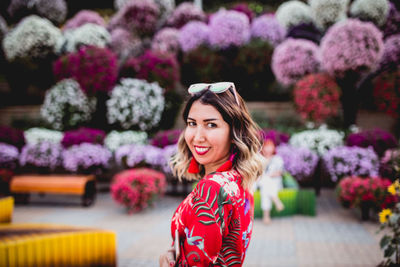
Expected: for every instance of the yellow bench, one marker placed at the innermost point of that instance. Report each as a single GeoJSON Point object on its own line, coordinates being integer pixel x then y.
{"type": "Point", "coordinates": [82, 185]}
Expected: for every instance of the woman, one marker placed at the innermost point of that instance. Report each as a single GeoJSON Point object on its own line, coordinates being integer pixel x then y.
{"type": "Point", "coordinates": [271, 181]}
{"type": "Point", "coordinates": [220, 147]}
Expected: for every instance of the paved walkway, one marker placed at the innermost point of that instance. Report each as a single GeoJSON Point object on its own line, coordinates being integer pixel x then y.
{"type": "Point", "coordinates": [335, 237]}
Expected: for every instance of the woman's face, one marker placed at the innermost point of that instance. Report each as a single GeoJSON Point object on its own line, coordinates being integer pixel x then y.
{"type": "Point", "coordinates": [207, 136]}
{"type": "Point", "coordinates": [268, 150]}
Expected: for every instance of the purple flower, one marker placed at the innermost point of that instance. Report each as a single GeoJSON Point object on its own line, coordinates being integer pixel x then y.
{"type": "Point", "coordinates": [125, 44]}
{"type": "Point", "coordinates": [391, 53]}
{"type": "Point", "coordinates": [379, 139]}
{"type": "Point", "coordinates": [83, 135]}
{"type": "Point", "coordinates": [166, 138]}
{"type": "Point", "coordinates": [8, 156]}
{"type": "Point", "coordinates": [168, 153]}
{"type": "Point", "coordinates": [184, 13]}
{"type": "Point", "coordinates": [267, 28]}
{"type": "Point", "coordinates": [351, 46]}
{"type": "Point", "coordinates": [229, 28]}
{"type": "Point", "coordinates": [86, 158]}
{"type": "Point", "coordinates": [133, 155]}
{"type": "Point", "coordinates": [244, 8]}
{"type": "Point", "coordinates": [293, 59]}
{"type": "Point", "coordinates": [138, 16]}
{"type": "Point", "coordinates": [83, 17]}
{"type": "Point", "coordinates": [166, 41]}
{"type": "Point", "coordinates": [276, 136]}
{"type": "Point", "coordinates": [298, 161]}
{"type": "Point", "coordinates": [192, 35]}
{"type": "Point", "coordinates": [42, 155]}
{"type": "Point", "coordinates": [392, 25]}
{"type": "Point", "coordinates": [347, 161]}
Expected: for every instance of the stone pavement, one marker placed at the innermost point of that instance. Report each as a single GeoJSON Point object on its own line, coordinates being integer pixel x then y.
{"type": "Point", "coordinates": [335, 237]}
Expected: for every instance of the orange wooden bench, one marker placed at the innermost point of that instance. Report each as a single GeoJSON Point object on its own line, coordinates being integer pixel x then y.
{"type": "Point", "coordinates": [81, 185]}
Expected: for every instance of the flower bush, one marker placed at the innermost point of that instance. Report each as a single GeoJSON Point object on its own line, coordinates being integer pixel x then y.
{"type": "Point", "coordinates": [370, 10]}
{"type": "Point", "coordinates": [154, 67]}
{"type": "Point", "coordinates": [83, 135]}
{"type": "Point", "coordinates": [351, 46]}
{"type": "Point", "coordinates": [267, 28]}
{"type": "Point", "coordinates": [86, 158]}
{"type": "Point", "coordinates": [277, 137]}
{"type": "Point", "coordinates": [378, 139]}
{"type": "Point", "coordinates": [300, 162]}
{"type": "Point", "coordinates": [166, 41]}
{"type": "Point", "coordinates": [88, 34]}
{"type": "Point", "coordinates": [12, 136]}
{"type": "Point", "coordinates": [66, 106]}
{"type": "Point", "coordinates": [391, 53]}
{"type": "Point", "coordinates": [83, 17]}
{"type": "Point", "coordinates": [328, 12]}
{"type": "Point", "coordinates": [54, 10]}
{"type": "Point", "coordinates": [390, 164]}
{"type": "Point", "coordinates": [292, 13]}
{"type": "Point", "coordinates": [137, 188]}
{"type": "Point", "coordinates": [293, 59]}
{"type": "Point", "coordinates": [125, 44]}
{"type": "Point", "coordinates": [184, 13]}
{"type": "Point", "coordinates": [3, 28]}
{"type": "Point", "coordinates": [43, 156]}
{"type": "Point", "coordinates": [245, 9]}
{"type": "Point", "coordinates": [94, 68]}
{"type": "Point", "coordinates": [386, 92]}
{"type": "Point", "coordinates": [392, 25]}
{"type": "Point", "coordinates": [33, 38]}
{"type": "Point", "coordinates": [316, 97]}
{"type": "Point", "coordinates": [351, 161]}
{"type": "Point", "coordinates": [307, 31]}
{"type": "Point", "coordinates": [8, 156]}
{"type": "Point", "coordinates": [228, 28]}
{"type": "Point", "coordinates": [166, 8]}
{"type": "Point", "coordinates": [166, 138]}
{"type": "Point", "coordinates": [135, 103]}
{"type": "Point", "coordinates": [193, 35]}
{"type": "Point", "coordinates": [115, 139]}
{"type": "Point", "coordinates": [319, 140]}
{"type": "Point", "coordinates": [352, 191]}
{"type": "Point", "coordinates": [135, 155]}
{"type": "Point", "coordinates": [34, 136]}
{"type": "Point", "coordinates": [139, 17]}
{"type": "Point", "coordinates": [168, 153]}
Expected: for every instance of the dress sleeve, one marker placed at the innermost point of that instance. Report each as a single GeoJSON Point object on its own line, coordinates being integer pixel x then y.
{"type": "Point", "coordinates": [206, 223]}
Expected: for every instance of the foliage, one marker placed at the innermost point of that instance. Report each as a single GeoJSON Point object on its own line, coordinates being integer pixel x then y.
{"type": "Point", "coordinates": [293, 59]}
{"type": "Point", "coordinates": [66, 106]}
{"type": "Point", "coordinates": [351, 46]}
{"type": "Point", "coordinates": [83, 135]}
{"type": "Point", "coordinates": [86, 158]}
{"type": "Point", "coordinates": [228, 28]}
{"type": "Point", "coordinates": [137, 188]}
{"type": "Point", "coordinates": [135, 103]}
{"type": "Point", "coordinates": [380, 140]}
{"type": "Point", "coordinates": [94, 68]}
{"type": "Point", "coordinates": [316, 97]}
{"type": "Point", "coordinates": [345, 161]}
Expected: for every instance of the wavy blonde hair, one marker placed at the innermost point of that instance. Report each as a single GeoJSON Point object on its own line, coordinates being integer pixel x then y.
{"type": "Point", "coordinates": [245, 134]}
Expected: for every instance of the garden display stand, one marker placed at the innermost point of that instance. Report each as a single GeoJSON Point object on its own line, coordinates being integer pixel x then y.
{"type": "Point", "coordinates": [82, 185]}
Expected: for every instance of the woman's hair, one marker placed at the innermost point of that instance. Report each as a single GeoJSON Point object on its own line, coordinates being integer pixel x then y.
{"type": "Point", "coordinates": [245, 134]}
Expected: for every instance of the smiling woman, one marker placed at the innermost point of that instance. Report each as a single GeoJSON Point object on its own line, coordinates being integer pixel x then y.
{"type": "Point", "coordinates": [220, 147]}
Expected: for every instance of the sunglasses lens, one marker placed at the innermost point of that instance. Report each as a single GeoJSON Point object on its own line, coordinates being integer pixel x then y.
{"type": "Point", "coordinates": [220, 87]}
{"type": "Point", "coordinates": [195, 88]}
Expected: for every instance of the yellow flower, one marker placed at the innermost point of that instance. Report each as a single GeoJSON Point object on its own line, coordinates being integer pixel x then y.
{"type": "Point", "coordinates": [384, 215]}
{"type": "Point", "coordinates": [392, 189]}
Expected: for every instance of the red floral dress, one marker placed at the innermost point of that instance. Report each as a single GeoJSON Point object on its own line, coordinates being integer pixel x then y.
{"type": "Point", "coordinates": [215, 222]}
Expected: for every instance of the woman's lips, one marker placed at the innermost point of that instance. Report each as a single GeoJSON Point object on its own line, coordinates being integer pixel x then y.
{"type": "Point", "coordinates": [201, 150]}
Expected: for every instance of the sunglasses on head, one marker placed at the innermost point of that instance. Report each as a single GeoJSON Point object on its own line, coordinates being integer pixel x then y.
{"type": "Point", "coordinates": [217, 88]}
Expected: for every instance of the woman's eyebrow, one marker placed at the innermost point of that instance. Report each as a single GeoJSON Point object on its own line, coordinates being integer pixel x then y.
{"type": "Point", "coordinates": [207, 120]}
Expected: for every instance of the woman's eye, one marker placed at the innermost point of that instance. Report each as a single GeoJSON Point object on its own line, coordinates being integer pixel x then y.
{"type": "Point", "coordinates": [191, 123]}
{"type": "Point", "coordinates": [211, 125]}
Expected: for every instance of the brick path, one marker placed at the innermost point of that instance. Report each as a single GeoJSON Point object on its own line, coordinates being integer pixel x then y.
{"type": "Point", "coordinates": [335, 237]}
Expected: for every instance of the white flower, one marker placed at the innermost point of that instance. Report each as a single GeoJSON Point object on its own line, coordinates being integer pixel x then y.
{"type": "Point", "coordinates": [87, 34]}
{"type": "Point", "coordinates": [135, 103]}
{"type": "Point", "coordinates": [65, 105]}
{"type": "Point", "coordinates": [115, 139]}
{"type": "Point", "coordinates": [292, 13]}
{"type": "Point", "coordinates": [320, 140]}
{"type": "Point", "coordinates": [372, 10]}
{"type": "Point", "coordinates": [33, 37]}
{"type": "Point", "coordinates": [34, 136]}
{"type": "Point", "coordinates": [328, 12]}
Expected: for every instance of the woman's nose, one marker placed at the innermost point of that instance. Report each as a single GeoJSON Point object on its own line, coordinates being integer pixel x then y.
{"type": "Point", "coordinates": [199, 134]}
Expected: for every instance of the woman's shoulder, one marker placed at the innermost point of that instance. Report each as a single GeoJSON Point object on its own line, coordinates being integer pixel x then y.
{"type": "Point", "coordinates": [229, 181]}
